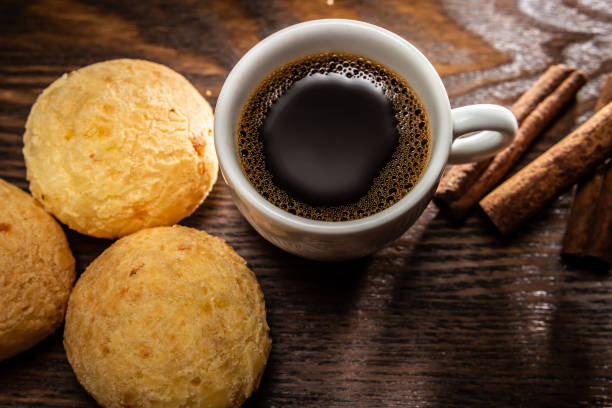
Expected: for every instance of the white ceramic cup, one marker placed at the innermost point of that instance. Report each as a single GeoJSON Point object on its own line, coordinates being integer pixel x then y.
{"type": "Point", "coordinates": [330, 241]}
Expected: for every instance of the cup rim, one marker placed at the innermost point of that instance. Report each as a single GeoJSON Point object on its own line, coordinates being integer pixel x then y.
{"type": "Point", "coordinates": [224, 128]}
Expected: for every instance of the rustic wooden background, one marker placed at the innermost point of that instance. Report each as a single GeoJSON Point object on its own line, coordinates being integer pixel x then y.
{"type": "Point", "coordinates": [445, 316]}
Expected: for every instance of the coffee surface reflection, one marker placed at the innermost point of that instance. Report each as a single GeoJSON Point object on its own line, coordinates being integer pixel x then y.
{"type": "Point", "coordinates": [333, 137]}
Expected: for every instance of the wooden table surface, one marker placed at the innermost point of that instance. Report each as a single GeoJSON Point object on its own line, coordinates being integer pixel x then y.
{"type": "Point", "coordinates": [445, 316]}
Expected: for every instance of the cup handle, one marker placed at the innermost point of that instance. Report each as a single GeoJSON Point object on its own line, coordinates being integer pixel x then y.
{"type": "Point", "coordinates": [499, 129]}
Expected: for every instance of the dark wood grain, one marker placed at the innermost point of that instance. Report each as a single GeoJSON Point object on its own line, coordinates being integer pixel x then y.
{"type": "Point", "coordinates": [445, 316]}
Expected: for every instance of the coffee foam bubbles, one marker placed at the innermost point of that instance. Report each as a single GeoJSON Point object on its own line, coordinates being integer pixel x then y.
{"type": "Point", "coordinates": [398, 176]}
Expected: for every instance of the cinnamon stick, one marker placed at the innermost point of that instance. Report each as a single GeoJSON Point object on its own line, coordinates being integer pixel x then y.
{"type": "Point", "coordinates": [601, 241]}
{"type": "Point", "coordinates": [605, 96]}
{"type": "Point", "coordinates": [459, 178]}
{"type": "Point", "coordinates": [530, 128]}
{"type": "Point", "coordinates": [533, 125]}
{"type": "Point", "coordinates": [552, 173]}
{"type": "Point", "coordinates": [589, 228]}
{"type": "Point", "coordinates": [544, 86]}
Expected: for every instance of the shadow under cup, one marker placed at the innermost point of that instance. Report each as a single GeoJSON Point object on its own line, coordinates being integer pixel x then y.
{"type": "Point", "coordinates": [324, 240]}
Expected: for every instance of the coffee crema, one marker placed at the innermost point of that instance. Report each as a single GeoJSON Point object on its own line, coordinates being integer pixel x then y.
{"type": "Point", "coordinates": [333, 137]}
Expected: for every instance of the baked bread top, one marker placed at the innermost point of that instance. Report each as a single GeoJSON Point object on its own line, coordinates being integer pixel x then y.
{"type": "Point", "coordinates": [36, 272]}
{"type": "Point", "coordinates": [120, 145]}
{"type": "Point", "coordinates": [168, 317]}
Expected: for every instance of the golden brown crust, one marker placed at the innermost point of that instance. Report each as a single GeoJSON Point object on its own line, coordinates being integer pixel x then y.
{"type": "Point", "coordinates": [36, 272]}
{"type": "Point", "coordinates": [168, 317]}
{"type": "Point", "coordinates": [120, 145]}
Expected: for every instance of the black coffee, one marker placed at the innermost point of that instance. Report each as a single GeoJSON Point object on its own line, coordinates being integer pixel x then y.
{"type": "Point", "coordinates": [333, 137]}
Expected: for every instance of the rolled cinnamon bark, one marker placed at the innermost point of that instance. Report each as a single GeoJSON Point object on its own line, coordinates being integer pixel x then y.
{"type": "Point", "coordinates": [584, 214]}
{"type": "Point", "coordinates": [465, 184]}
{"type": "Point", "coordinates": [544, 86]}
{"type": "Point", "coordinates": [457, 180]}
{"type": "Point", "coordinates": [605, 96]}
{"type": "Point", "coordinates": [552, 173]}
{"type": "Point", "coordinates": [589, 226]}
{"type": "Point", "coordinates": [601, 240]}
{"type": "Point", "coordinates": [460, 177]}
